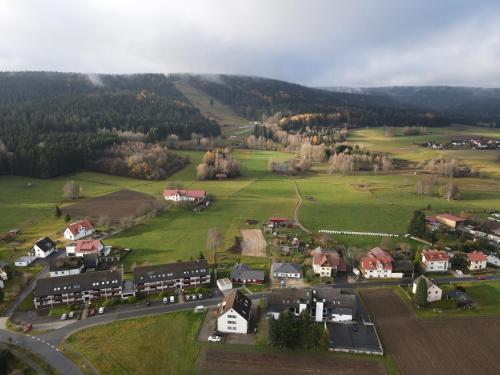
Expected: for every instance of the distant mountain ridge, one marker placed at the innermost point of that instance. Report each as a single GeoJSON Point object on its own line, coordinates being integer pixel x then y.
{"type": "Point", "coordinates": [458, 102]}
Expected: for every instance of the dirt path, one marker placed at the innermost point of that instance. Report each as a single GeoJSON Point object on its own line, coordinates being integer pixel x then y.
{"type": "Point", "coordinates": [297, 208]}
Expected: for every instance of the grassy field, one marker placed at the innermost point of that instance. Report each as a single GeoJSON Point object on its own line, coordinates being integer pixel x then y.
{"type": "Point", "coordinates": [230, 122]}
{"type": "Point", "coordinates": [162, 344]}
{"type": "Point", "coordinates": [486, 295]}
{"type": "Point", "coordinates": [405, 147]}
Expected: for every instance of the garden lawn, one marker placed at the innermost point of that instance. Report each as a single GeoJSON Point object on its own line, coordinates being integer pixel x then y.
{"type": "Point", "coordinates": [161, 344]}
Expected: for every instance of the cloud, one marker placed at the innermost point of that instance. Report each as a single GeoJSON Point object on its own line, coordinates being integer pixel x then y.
{"type": "Point", "coordinates": [318, 42]}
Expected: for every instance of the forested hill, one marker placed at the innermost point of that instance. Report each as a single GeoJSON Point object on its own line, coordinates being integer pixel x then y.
{"type": "Point", "coordinates": [252, 97]}
{"type": "Point", "coordinates": [54, 123]}
{"type": "Point", "coordinates": [460, 104]}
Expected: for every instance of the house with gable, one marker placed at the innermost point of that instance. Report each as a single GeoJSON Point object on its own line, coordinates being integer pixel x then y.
{"type": "Point", "coordinates": [79, 229]}
{"type": "Point", "coordinates": [434, 293]}
{"type": "Point", "coordinates": [234, 316]}
{"type": "Point", "coordinates": [181, 195]}
{"type": "Point", "coordinates": [378, 264]}
{"type": "Point", "coordinates": [326, 263]}
{"type": "Point", "coordinates": [43, 248]}
{"type": "Point", "coordinates": [435, 261]}
{"type": "Point", "coordinates": [241, 273]}
{"type": "Point", "coordinates": [477, 261]}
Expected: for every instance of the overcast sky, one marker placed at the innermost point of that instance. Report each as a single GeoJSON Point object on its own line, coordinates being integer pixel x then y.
{"type": "Point", "coordinates": [314, 42]}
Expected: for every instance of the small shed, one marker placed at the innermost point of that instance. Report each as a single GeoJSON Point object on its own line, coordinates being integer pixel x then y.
{"type": "Point", "coordinates": [224, 285]}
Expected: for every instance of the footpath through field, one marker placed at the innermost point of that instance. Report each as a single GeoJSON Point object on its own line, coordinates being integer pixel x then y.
{"type": "Point", "coordinates": [297, 208]}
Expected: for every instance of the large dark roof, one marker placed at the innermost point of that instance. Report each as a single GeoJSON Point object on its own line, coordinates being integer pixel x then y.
{"type": "Point", "coordinates": [243, 272]}
{"type": "Point", "coordinates": [66, 263]}
{"type": "Point", "coordinates": [45, 244]}
{"type": "Point", "coordinates": [280, 299]}
{"type": "Point", "coordinates": [77, 283]}
{"type": "Point", "coordinates": [238, 302]}
{"type": "Point", "coordinates": [170, 271]}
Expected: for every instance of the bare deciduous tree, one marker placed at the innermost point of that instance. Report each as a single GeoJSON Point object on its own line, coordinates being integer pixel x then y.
{"type": "Point", "coordinates": [72, 190]}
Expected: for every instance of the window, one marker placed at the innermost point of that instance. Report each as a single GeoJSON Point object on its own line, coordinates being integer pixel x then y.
{"type": "Point", "coordinates": [231, 322]}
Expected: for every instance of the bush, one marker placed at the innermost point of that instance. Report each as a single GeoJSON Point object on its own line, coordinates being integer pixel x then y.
{"type": "Point", "coordinates": [445, 304]}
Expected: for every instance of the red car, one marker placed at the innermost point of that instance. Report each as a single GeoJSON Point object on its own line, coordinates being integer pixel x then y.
{"type": "Point", "coordinates": [27, 327]}
{"type": "Point", "coordinates": [481, 277]}
{"type": "Point", "coordinates": [92, 312]}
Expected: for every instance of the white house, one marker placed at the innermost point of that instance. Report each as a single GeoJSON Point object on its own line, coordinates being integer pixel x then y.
{"type": "Point", "coordinates": [435, 261]}
{"type": "Point", "coordinates": [235, 313]}
{"type": "Point", "coordinates": [79, 229]}
{"type": "Point", "coordinates": [185, 195]}
{"type": "Point", "coordinates": [43, 248]}
{"type": "Point", "coordinates": [3, 270]}
{"type": "Point", "coordinates": [477, 260]}
{"type": "Point", "coordinates": [434, 293]}
{"type": "Point", "coordinates": [82, 247]}
{"type": "Point", "coordinates": [326, 263]}
{"type": "Point", "coordinates": [378, 264]}
{"type": "Point", "coordinates": [287, 270]}
{"type": "Point", "coordinates": [493, 260]}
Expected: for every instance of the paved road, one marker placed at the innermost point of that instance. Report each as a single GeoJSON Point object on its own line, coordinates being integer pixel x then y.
{"type": "Point", "coordinates": [45, 350]}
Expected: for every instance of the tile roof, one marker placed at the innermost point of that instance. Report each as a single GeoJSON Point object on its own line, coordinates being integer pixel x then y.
{"type": "Point", "coordinates": [170, 271]}
{"type": "Point", "coordinates": [477, 256]}
{"type": "Point", "coordinates": [286, 268]}
{"type": "Point", "coordinates": [375, 257]}
{"type": "Point", "coordinates": [238, 302]}
{"type": "Point", "coordinates": [434, 256]}
{"type": "Point", "coordinates": [87, 246]}
{"type": "Point", "coordinates": [75, 227]}
{"type": "Point", "coordinates": [186, 193]}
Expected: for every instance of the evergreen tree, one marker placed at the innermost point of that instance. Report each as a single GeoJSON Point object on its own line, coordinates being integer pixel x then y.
{"type": "Point", "coordinates": [421, 292]}
{"type": "Point", "coordinates": [57, 212]}
{"type": "Point", "coordinates": [418, 226]}
{"type": "Point", "coordinates": [67, 218]}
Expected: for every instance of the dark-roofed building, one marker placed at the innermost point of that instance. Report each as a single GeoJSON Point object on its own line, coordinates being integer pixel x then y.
{"type": "Point", "coordinates": [171, 276]}
{"type": "Point", "coordinates": [323, 304]}
{"type": "Point", "coordinates": [241, 273]}
{"type": "Point", "coordinates": [80, 288]}
{"type": "Point", "coordinates": [66, 266]}
{"type": "Point", "coordinates": [90, 261]}
{"type": "Point", "coordinates": [234, 316]}
{"type": "Point", "coordinates": [287, 270]}
{"type": "Point", "coordinates": [462, 298]}
{"type": "Point", "coordinates": [43, 248]}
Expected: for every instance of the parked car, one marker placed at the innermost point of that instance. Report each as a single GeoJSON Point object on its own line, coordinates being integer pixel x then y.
{"type": "Point", "coordinates": [214, 338]}
{"type": "Point", "coordinates": [148, 303]}
{"type": "Point", "coordinates": [64, 316]}
{"type": "Point", "coordinates": [101, 310]}
{"type": "Point", "coordinates": [92, 312]}
{"type": "Point", "coordinates": [188, 297]}
{"type": "Point", "coordinates": [165, 300]}
{"type": "Point", "coordinates": [193, 297]}
{"type": "Point", "coordinates": [459, 272]}
{"type": "Point", "coordinates": [71, 315]}
{"type": "Point", "coordinates": [481, 277]}
{"type": "Point", "coordinates": [200, 296]}
{"type": "Point", "coordinates": [172, 299]}
{"type": "Point", "coordinates": [27, 327]}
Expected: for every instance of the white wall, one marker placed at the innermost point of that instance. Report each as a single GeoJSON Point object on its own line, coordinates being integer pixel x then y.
{"type": "Point", "coordinates": [232, 322]}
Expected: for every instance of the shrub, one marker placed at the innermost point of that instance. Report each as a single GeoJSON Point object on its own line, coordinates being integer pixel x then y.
{"type": "Point", "coordinates": [445, 304]}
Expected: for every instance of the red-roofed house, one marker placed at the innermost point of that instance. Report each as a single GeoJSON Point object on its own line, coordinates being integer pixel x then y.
{"type": "Point", "coordinates": [450, 220]}
{"type": "Point", "coordinates": [477, 260]}
{"type": "Point", "coordinates": [435, 261]}
{"type": "Point", "coordinates": [276, 222]}
{"type": "Point", "coordinates": [377, 264]}
{"type": "Point", "coordinates": [79, 229]}
{"type": "Point", "coordinates": [82, 247]}
{"type": "Point", "coordinates": [327, 263]}
{"type": "Point", "coordinates": [185, 195]}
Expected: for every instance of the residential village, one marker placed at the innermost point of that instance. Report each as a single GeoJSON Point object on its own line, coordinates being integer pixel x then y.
{"type": "Point", "coordinates": [305, 276]}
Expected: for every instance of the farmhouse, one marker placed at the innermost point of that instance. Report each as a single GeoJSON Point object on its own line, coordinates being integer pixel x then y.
{"type": "Point", "coordinates": [43, 248]}
{"type": "Point", "coordinates": [79, 229]}
{"type": "Point", "coordinates": [79, 288]}
{"type": "Point", "coordinates": [327, 263]}
{"type": "Point", "coordinates": [275, 222]}
{"type": "Point", "coordinates": [66, 266]}
{"type": "Point", "coordinates": [449, 220]}
{"type": "Point", "coordinates": [435, 261]}
{"type": "Point", "coordinates": [477, 260]}
{"type": "Point", "coordinates": [434, 293]}
{"type": "Point", "coordinates": [241, 273]}
{"type": "Point", "coordinates": [287, 270]}
{"type": "Point", "coordinates": [234, 316]}
{"type": "Point", "coordinates": [171, 276]}
{"type": "Point", "coordinates": [177, 195]}
{"type": "Point", "coordinates": [378, 264]}
{"type": "Point", "coordinates": [83, 247]}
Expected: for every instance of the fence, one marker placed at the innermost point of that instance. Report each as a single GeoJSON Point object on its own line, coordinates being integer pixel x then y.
{"type": "Point", "coordinates": [375, 234]}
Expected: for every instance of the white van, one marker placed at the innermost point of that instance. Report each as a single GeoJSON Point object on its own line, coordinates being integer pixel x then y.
{"type": "Point", "coordinates": [200, 308]}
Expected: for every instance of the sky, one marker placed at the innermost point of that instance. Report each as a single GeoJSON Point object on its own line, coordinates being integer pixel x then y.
{"type": "Point", "coordinates": [312, 42]}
